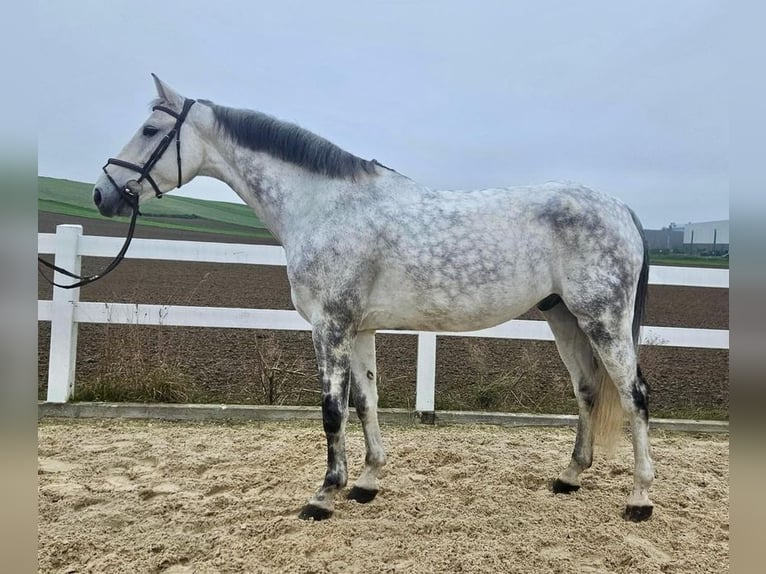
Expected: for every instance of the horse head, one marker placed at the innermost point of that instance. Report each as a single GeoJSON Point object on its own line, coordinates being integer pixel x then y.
{"type": "Point", "coordinates": [164, 153]}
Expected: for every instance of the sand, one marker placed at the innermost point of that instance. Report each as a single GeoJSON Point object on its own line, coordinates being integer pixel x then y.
{"type": "Point", "coordinates": [135, 496]}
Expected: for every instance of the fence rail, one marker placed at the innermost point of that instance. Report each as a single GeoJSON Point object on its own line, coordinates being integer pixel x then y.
{"type": "Point", "coordinates": [65, 311]}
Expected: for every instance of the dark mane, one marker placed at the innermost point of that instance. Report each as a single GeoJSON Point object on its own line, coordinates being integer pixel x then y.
{"type": "Point", "coordinates": [288, 142]}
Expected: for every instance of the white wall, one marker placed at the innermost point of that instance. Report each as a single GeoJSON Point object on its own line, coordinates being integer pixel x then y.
{"type": "Point", "coordinates": [704, 232]}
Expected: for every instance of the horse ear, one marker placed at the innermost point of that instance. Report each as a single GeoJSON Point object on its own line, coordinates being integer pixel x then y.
{"type": "Point", "coordinates": [167, 93]}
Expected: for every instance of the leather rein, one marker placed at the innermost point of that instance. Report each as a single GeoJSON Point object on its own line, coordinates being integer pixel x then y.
{"type": "Point", "coordinates": [130, 196]}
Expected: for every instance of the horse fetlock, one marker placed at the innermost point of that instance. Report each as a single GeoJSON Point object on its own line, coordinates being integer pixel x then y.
{"type": "Point", "coordinates": [639, 497]}
{"type": "Point", "coordinates": [324, 498]}
{"type": "Point", "coordinates": [368, 480]}
{"type": "Point", "coordinates": [582, 461]}
{"type": "Point", "coordinates": [375, 459]}
{"type": "Point", "coordinates": [571, 474]}
{"type": "Point", "coordinates": [335, 479]}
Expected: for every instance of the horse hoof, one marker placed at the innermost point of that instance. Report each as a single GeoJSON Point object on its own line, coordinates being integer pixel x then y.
{"type": "Point", "coordinates": [311, 512]}
{"type": "Point", "coordinates": [637, 513]}
{"type": "Point", "coordinates": [361, 495]}
{"type": "Point", "coordinates": [561, 487]}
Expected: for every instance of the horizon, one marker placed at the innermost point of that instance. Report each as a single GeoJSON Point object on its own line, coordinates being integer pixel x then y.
{"type": "Point", "coordinates": [240, 202]}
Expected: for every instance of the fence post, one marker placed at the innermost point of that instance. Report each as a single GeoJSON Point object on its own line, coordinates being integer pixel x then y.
{"type": "Point", "coordinates": [426, 377]}
{"type": "Point", "coordinates": [63, 348]}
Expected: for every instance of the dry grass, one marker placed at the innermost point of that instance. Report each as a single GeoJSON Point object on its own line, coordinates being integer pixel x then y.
{"type": "Point", "coordinates": [136, 364]}
{"type": "Point", "coordinates": [126, 371]}
{"type": "Point", "coordinates": [276, 378]}
{"type": "Point", "coordinates": [518, 389]}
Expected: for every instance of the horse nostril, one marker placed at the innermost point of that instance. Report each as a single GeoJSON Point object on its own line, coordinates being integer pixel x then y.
{"type": "Point", "coordinates": [97, 197]}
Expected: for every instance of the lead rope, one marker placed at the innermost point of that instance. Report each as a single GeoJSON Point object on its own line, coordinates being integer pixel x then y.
{"type": "Point", "coordinates": [91, 278]}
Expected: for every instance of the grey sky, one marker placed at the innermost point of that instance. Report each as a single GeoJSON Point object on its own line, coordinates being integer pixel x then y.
{"type": "Point", "coordinates": [629, 98]}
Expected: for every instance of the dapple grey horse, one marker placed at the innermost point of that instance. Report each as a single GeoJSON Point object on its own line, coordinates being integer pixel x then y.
{"type": "Point", "coordinates": [368, 248]}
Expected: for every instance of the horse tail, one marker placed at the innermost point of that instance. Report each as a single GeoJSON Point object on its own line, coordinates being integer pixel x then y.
{"type": "Point", "coordinates": [642, 289]}
{"type": "Point", "coordinates": [607, 414]}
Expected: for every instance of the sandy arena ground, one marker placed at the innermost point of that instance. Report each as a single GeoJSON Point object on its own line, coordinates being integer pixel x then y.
{"type": "Point", "coordinates": [122, 496]}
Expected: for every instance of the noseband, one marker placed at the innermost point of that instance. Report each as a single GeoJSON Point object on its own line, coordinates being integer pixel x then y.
{"type": "Point", "coordinates": [131, 196]}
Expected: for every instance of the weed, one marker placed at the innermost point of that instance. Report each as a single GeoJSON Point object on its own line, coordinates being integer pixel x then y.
{"type": "Point", "coordinates": [276, 379]}
{"type": "Point", "coordinates": [515, 390]}
{"type": "Point", "coordinates": [134, 367]}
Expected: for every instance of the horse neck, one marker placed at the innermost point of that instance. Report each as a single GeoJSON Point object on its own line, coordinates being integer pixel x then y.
{"type": "Point", "coordinates": [280, 193]}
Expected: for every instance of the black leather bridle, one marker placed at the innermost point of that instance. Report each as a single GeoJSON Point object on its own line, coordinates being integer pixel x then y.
{"type": "Point", "coordinates": [156, 155]}
{"type": "Point", "coordinates": [129, 195]}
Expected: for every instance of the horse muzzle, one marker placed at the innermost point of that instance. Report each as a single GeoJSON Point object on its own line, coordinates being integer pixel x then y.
{"type": "Point", "coordinates": [110, 202]}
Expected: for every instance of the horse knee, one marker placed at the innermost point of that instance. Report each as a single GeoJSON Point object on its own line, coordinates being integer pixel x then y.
{"type": "Point", "coordinates": [333, 414]}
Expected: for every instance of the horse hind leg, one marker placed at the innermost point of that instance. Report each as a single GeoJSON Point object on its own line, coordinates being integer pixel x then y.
{"type": "Point", "coordinates": [576, 353]}
{"type": "Point", "coordinates": [614, 345]}
{"type": "Point", "coordinates": [365, 393]}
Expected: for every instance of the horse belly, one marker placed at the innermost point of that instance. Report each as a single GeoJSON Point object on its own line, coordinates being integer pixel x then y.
{"type": "Point", "coordinates": [408, 308]}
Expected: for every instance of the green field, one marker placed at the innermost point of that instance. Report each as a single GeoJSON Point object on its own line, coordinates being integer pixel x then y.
{"type": "Point", "coordinates": [62, 196]}
{"type": "Point", "coordinates": [682, 260]}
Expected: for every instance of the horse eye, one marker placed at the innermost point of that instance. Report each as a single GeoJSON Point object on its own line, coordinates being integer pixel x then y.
{"type": "Point", "coordinates": [149, 131]}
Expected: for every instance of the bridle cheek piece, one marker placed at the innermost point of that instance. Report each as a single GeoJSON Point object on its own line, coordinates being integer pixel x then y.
{"type": "Point", "coordinates": [132, 197]}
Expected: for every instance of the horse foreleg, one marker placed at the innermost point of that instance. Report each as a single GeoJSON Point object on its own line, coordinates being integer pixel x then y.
{"type": "Point", "coordinates": [333, 345]}
{"type": "Point", "coordinates": [365, 393]}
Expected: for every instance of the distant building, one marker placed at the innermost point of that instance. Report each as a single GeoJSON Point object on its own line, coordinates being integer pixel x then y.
{"type": "Point", "coordinates": [712, 236]}
{"type": "Point", "coordinates": [665, 239]}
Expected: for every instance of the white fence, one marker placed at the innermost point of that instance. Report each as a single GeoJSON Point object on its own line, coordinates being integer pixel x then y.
{"type": "Point", "coordinates": [65, 311]}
